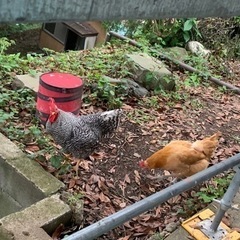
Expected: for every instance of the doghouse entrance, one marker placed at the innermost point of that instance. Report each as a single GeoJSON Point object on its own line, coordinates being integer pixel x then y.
{"type": "Point", "coordinates": [74, 41]}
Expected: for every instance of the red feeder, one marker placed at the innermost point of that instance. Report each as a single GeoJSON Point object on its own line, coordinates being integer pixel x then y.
{"type": "Point", "coordinates": [65, 88]}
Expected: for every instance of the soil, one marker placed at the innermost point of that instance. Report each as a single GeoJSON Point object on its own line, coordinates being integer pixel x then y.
{"type": "Point", "coordinates": [112, 179]}
{"type": "Point", "coordinates": [25, 42]}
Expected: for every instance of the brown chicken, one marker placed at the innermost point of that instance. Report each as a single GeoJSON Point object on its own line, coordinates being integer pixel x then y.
{"type": "Point", "coordinates": [183, 158]}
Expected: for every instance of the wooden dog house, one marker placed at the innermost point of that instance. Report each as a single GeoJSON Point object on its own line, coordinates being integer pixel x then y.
{"type": "Point", "coordinates": [64, 36]}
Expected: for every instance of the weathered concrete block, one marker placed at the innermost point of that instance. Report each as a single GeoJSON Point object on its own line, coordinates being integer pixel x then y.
{"type": "Point", "coordinates": [22, 178]}
{"type": "Point", "coordinates": [5, 235]}
{"type": "Point", "coordinates": [33, 222]}
{"type": "Point", "coordinates": [150, 72]}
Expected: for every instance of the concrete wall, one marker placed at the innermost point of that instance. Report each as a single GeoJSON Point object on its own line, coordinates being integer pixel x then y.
{"type": "Point", "coordinates": [82, 10]}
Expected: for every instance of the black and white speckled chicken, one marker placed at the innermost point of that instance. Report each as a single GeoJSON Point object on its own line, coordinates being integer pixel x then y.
{"type": "Point", "coordinates": [80, 135]}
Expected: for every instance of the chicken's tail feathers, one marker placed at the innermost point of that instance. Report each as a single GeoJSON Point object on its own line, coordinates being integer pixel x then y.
{"type": "Point", "coordinates": [112, 116]}
{"type": "Point", "coordinates": [112, 113]}
{"type": "Point", "coordinates": [110, 121]}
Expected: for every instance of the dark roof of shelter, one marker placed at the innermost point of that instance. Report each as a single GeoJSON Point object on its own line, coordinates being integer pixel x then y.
{"type": "Point", "coordinates": [82, 28]}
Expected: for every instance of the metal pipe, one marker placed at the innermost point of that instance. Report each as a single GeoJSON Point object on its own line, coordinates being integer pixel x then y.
{"type": "Point", "coordinates": [128, 40]}
{"type": "Point", "coordinates": [227, 199]}
{"type": "Point", "coordinates": [106, 224]}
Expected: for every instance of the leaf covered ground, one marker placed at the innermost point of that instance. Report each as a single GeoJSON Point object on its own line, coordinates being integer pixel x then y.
{"type": "Point", "coordinates": [111, 179]}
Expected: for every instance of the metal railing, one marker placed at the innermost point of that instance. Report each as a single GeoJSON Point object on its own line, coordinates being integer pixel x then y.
{"type": "Point", "coordinates": [106, 224]}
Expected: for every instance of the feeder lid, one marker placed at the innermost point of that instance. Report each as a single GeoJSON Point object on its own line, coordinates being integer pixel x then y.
{"type": "Point", "coordinates": [61, 80]}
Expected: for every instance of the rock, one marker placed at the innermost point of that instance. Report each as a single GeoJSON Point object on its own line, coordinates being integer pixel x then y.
{"type": "Point", "coordinates": [76, 204]}
{"type": "Point", "coordinates": [177, 53]}
{"type": "Point", "coordinates": [130, 86]}
{"type": "Point", "coordinates": [135, 89]}
{"type": "Point", "coordinates": [150, 73]}
{"type": "Point", "coordinates": [159, 236]}
{"type": "Point", "coordinates": [172, 226]}
{"type": "Point", "coordinates": [197, 48]}
{"type": "Point", "coordinates": [17, 84]}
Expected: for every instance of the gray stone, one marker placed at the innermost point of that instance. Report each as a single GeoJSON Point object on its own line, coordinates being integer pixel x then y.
{"type": "Point", "coordinates": [172, 226]}
{"type": "Point", "coordinates": [178, 53]}
{"type": "Point", "coordinates": [198, 49]}
{"type": "Point", "coordinates": [27, 80]}
{"type": "Point", "coordinates": [179, 234]}
{"type": "Point", "coordinates": [159, 236]}
{"type": "Point", "coordinates": [150, 73]}
{"type": "Point", "coordinates": [135, 89]}
{"type": "Point", "coordinates": [76, 203]}
{"type": "Point", "coordinates": [17, 84]}
{"type": "Point", "coordinates": [130, 86]}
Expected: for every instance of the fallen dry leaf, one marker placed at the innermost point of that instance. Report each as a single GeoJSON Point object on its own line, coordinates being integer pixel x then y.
{"type": "Point", "coordinates": [104, 198]}
{"type": "Point", "coordinates": [72, 183]}
{"type": "Point", "coordinates": [127, 179]}
{"type": "Point", "coordinates": [32, 149]}
{"type": "Point", "coordinates": [56, 234]}
{"type": "Point", "coordinates": [125, 238]}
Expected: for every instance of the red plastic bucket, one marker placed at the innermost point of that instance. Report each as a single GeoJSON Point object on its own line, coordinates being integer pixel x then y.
{"type": "Point", "coordinates": [65, 88]}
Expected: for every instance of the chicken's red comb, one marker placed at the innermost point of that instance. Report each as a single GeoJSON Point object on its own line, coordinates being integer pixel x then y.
{"type": "Point", "coordinates": [142, 164]}
{"type": "Point", "coordinates": [51, 100]}
{"type": "Point", "coordinates": [52, 105]}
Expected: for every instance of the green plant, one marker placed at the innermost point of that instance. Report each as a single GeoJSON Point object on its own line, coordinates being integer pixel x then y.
{"type": "Point", "coordinates": [140, 116]}
{"type": "Point", "coordinates": [7, 29]}
{"type": "Point", "coordinates": [4, 116]}
{"type": "Point", "coordinates": [190, 30]}
{"type": "Point", "coordinates": [196, 104]}
{"type": "Point", "coordinates": [9, 62]}
{"type": "Point", "coordinates": [215, 190]}
{"type": "Point", "coordinates": [237, 139]}
{"type": "Point", "coordinates": [5, 44]}
{"type": "Point", "coordinates": [164, 32]}
{"type": "Point", "coordinates": [110, 93]}
{"type": "Point", "coordinates": [199, 62]}
{"type": "Point", "coordinates": [222, 89]}
{"type": "Point", "coordinates": [150, 102]}
{"type": "Point", "coordinates": [192, 79]}
{"type": "Point", "coordinates": [173, 96]}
